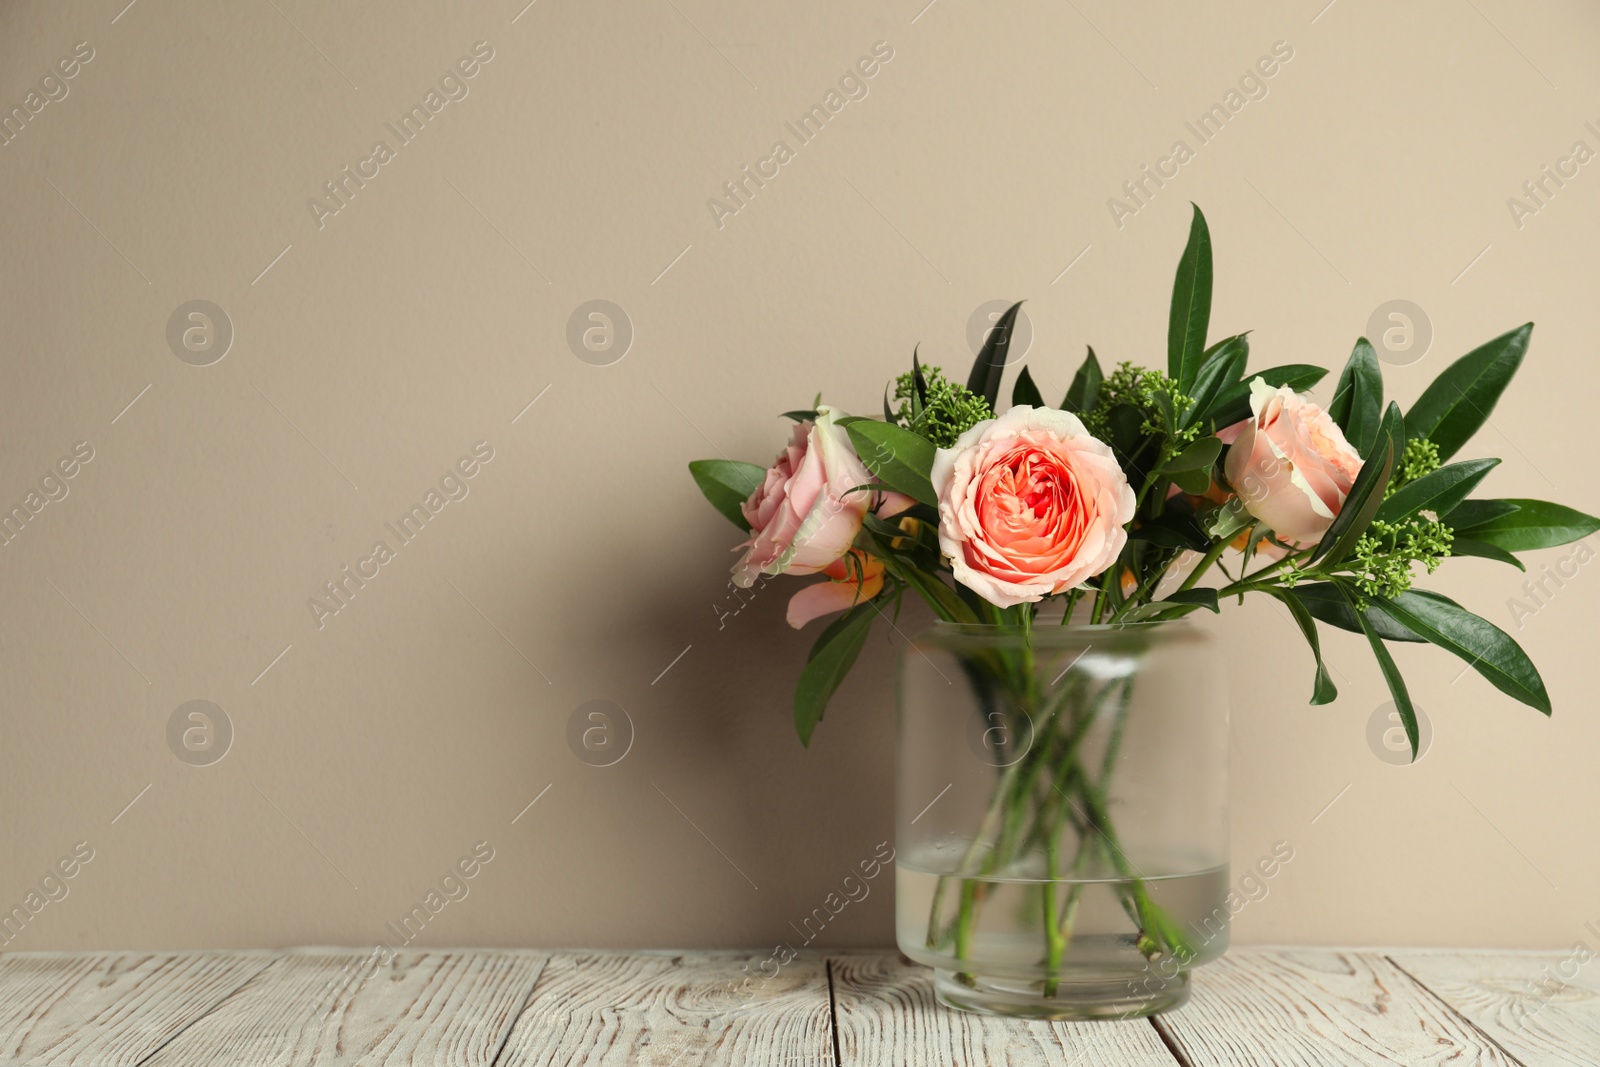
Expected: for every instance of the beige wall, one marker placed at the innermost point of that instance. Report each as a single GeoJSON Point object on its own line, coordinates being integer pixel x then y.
{"type": "Point", "coordinates": [424, 316]}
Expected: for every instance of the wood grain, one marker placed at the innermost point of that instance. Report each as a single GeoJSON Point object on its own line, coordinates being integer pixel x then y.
{"type": "Point", "coordinates": [1313, 1007]}
{"type": "Point", "coordinates": [887, 1017]}
{"type": "Point", "coordinates": [1543, 1008]}
{"type": "Point", "coordinates": [320, 1008]}
{"type": "Point", "coordinates": [109, 1009]}
{"type": "Point", "coordinates": [689, 1010]}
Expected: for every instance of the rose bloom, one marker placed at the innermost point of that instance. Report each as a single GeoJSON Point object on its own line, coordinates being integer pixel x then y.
{"type": "Point", "coordinates": [1290, 464]}
{"type": "Point", "coordinates": [1029, 505]}
{"type": "Point", "coordinates": [803, 516]}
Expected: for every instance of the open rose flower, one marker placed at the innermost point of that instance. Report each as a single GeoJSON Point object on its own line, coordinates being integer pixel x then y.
{"type": "Point", "coordinates": [808, 509]}
{"type": "Point", "coordinates": [1290, 464]}
{"type": "Point", "coordinates": [1030, 504]}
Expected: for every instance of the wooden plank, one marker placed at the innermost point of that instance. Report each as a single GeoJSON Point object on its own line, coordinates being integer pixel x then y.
{"type": "Point", "coordinates": [887, 1017]}
{"type": "Point", "coordinates": [1543, 1008]}
{"type": "Point", "coordinates": [109, 1009]}
{"type": "Point", "coordinates": [319, 1008]}
{"type": "Point", "coordinates": [699, 1009]}
{"type": "Point", "coordinates": [1306, 1008]}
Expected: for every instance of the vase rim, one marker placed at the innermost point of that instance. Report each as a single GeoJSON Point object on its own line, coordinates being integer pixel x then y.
{"type": "Point", "coordinates": [1054, 634]}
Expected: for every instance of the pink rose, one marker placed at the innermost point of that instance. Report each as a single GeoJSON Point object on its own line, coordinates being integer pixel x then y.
{"type": "Point", "coordinates": [1290, 464]}
{"type": "Point", "coordinates": [804, 516]}
{"type": "Point", "coordinates": [1029, 505]}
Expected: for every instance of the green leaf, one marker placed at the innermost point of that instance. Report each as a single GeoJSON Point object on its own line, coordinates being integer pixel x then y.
{"type": "Point", "coordinates": [1201, 598]}
{"type": "Point", "coordinates": [1228, 519]}
{"type": "Point", "coordinates": [1191, 305]}
{"type": "Point", "coordinates": [1535, 524]}
{"type": "Point", "coordinates": [1366, 495]}
{"type": "Point", "coordinates": [1198, 456]}
{"type": "Point", "coordinates": [1025, 392]}
{"type": "Point", "coordinates": [1323, 691]}
{"type": "Point", "coordinates": [1220, 368]}
{"type": "Point", "coordinates": [1172, 529]}
{"type": "Point", "coordinates": [727, 484]}
{"type": "Point", "coordinates": [1326, 604]}
{"type": "Point", "coordinates": [918, 382]}
{"type": "Point", "coordinates": [1391, 674]}
{"type": "Point", "coordinates": [1466, 546]}
{"type": "Point", "coordinates": [830, 660]}
{"type": "Point", "coordinates": [801, 416]}
{"type": "Point", "coordinates": [1233, 403]}
{"type": "Point", "coordinates": [1084, 392]}
{"type": "Point", "coordinates": [1470, 513]}
{"type": "Point", "coordinates": [1125, 425]}
{"type": "Point", "coordinates": [1176, 606]}
{"type": "Point", "coordinates": [1357, 405]}
{"type": "Point", "coordinates": [1438, 491]}
{"type": "Point", "coordinates": [900, 458]}
{"type": "Point", "coordinates": [991, 363]}
{"type": "Point", "coordinates": [1194, 482]}
{"type": "Point", "coordinates": [1163, 402]}
{"type": "Point", "coordinates": [1450, 410]}
{"type": "Point", "coordinates": [1487, 649]}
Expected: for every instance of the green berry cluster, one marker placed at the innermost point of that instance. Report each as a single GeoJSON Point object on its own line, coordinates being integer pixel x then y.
{"type": "Point", "coordinates": [1384, 554]}
{"type": "Point", "coordinates": [944, 411]}
{"type": "Point", "coordinates": [1154, 395]}
{"type": "Point", "coordinates": [1420, 457]}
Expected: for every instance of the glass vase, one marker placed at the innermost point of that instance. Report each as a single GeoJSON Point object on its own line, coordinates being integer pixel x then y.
{"type": "Point", "coordinates": [1062, 824]}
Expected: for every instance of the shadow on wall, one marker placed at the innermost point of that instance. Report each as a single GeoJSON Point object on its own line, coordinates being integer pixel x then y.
{"type": "Point", "coordinates": [714, 755]}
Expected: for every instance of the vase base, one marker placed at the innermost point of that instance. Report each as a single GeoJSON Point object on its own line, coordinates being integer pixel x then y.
{"type": "Point", "coordinates": [1100, 997]}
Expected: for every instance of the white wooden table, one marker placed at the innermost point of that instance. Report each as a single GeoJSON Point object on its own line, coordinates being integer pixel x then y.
{"type": "Point", "coordinates": [1277, 1008]}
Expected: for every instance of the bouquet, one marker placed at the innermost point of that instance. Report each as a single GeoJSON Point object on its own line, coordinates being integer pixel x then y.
{"type": "Point", "coordinates": [1112, 507]}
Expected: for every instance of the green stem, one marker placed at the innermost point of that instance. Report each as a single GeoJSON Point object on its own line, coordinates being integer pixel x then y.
{"type": "Point", "coordinates": [935, 936]}
{"type": "Point", "coordinates": [1212, 555]}
{"type": "Point", "coordinates": [1055, 941]}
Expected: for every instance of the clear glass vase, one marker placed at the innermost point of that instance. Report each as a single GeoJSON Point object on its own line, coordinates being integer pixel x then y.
{"type": "Point", "coordinates": [1062, 817]}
